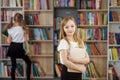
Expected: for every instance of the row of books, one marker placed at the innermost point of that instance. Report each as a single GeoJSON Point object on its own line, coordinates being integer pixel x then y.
{"type": "Point", "coordinates": [92, 18]}
{"type": "Point", "coordinates": [93, 34]}
{"type": "Point", "coordinates": [11, 3]}
{"type": "Point", "coordinates": [91, 71]}
{"type": "Point", "coordinates": [5, 70]}
{"type": "Point", "coordinates": [3, 53]}
{"type": "Point", "coordinates": [114, 38]}
{"type": "Point", "coordinates": [37, 70]}
{"type": "Point", "coordinates": [38, 34]}
{"type": "Point", "coordinates": [36, 5]}
{"type": "Point", "coordinates": [57, 23]}
{"type": "Point", "coordinates": [4, 39]}
{"type": "Point", "coordinates": [88, 4]}
{"type": "Point", "coordinates": [7, 14]}
{"type": "Point", "coordinates": [114, 53]}
{"type": "Point", "coordinates": [39, 19]}
{"type": "Point", "coordinates": [113, 71]}
{"type": "Point", "coordinates": [114, 16]}
{"type": "Point", "coordinates": [64, 3]}
{"type": "Point", "coordinates": [93, 49]}
{"type": "Point", "coordinates": [114, 3]}
{"type": "Point", "coordinates": [35, 49]}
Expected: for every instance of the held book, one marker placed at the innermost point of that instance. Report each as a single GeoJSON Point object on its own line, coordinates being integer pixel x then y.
{"type": "Point", "coordinates": [77, 53]}
{"type": "Point", "coordinates": [5, 33]}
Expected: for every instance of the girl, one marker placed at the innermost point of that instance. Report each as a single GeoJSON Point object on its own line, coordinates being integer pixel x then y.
{"type": "Point", "coordinates": [69, 38]}
{"type": "Point", "coordinates": [16, 38]}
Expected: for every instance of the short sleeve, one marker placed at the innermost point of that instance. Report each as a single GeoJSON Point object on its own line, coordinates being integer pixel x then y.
{"type": "Point", "coordinates": [9, 31]}
{"type": "Point", "coordinates": [63, 45]}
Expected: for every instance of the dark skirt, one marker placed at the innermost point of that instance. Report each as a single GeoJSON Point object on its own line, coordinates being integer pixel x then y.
{"type": "Point", "coordinates": [65, 75]}
{"type": "Point", "coordinates": [15, 50]}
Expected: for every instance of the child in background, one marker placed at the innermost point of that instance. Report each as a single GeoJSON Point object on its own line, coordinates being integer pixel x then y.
{"type": "Point", "coordinates": [17, 35]}
{"type": "Point", "coordinates": [69, 38]}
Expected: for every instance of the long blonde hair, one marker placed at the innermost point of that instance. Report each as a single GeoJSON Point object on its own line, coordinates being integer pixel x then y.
{"type": "Point", "coordinates": [75, 36]}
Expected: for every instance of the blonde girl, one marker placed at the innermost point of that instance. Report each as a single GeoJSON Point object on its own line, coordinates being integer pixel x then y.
{"type": "Point", "coordinates": [69, 38]}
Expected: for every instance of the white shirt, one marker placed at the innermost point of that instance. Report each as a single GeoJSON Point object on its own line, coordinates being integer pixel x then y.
{"type": "Point", "coordinates": [64, 45]}
{"type": "Point", "coordinates": [17, 34]}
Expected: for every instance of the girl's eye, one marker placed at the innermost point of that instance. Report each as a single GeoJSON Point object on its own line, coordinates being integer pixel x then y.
{"type": "Point", "coordinates": [72, 26]}
{"type": "Point", "coordinates": [66, 27]}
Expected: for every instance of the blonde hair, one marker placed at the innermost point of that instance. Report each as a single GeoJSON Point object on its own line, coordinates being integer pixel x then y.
{"type": "Point", "coordinates": [75, 36]}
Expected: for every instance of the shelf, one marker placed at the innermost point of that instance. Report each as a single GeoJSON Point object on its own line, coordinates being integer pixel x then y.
{"type": "Point", "coordinates": [89, 26]}
{"type": "Point", "coordinates": [95, 41]}
{"type": "Point", "coordinates": [98, 56]}
{"type": "Point", "coordinates": [38, 10]}
{"type": "Point", "coordinates": [114, 45]}
{"type": "Point", "coordinates": [102, 78]}
{"type": "Point", "coordinates": [114, 7]}
{"type": "Point", "coordinates": [113, 22]}
{"type": "Point", "coordinates": [4, 22]}
{"type": "Point", "coordinates": [47, 77]}
{"type": "Point", "coordinates": [114, 60]}
{"type": "Point", "coordinates": [42, 56]}
{"type": "Point", "coordinates": [65, 7]}
{"type": "Point", "coordinates": [42, 26]}
{"type": "Point", "coordinates": [5, 44]}
{"type": "Point", "coordinates": [41, 41]}
{"type": "Point", "coordinates": [10, 60]}
{"type": "Point", "coordinates": [92, 10]}
{"type": "Point", "coordinates": [11, 7]}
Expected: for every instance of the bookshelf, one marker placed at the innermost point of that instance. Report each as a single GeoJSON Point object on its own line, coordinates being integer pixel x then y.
{"type": "Point", "coordinates": [92, 19]}
{"type": "Point", "coordinates": [92, 22]}
{"type": "Point", "coordinates": [40, 28]}
{"type": "Point", "coordinates": [39, 17]}
{"type": "Point", "coordinates": [113, 37]}
{"type": "Point", "coordinates": [7, 10]}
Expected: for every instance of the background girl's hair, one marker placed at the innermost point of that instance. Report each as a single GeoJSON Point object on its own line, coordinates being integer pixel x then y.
{"type": "Point", "coordinates": [75, 36]}
{"type": "Point", "coordinates": [17, 18]}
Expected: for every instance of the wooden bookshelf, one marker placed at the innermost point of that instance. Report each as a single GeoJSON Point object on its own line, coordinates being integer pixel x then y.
{"type": "Point", "coordinates": [44, 54]}
{"type": "Point", "coordinates": [6, 10]}
{"type": "Point", "coordinates": [114, 45]}
{"type": "Point", "coordinates": [100, 61]}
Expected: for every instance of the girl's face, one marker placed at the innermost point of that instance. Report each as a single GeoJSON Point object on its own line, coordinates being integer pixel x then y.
{"type": "Point", "coordinates": [69, 28]}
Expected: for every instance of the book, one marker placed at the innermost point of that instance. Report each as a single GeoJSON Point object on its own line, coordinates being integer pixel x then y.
{"type": "Point", "coordinates": [5, 33]}
{"type": "Point", "coordinates": [77, 53]}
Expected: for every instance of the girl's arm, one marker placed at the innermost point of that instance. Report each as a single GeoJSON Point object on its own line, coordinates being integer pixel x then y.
{"type": "Point", "coordinates": [9, 39]}
{"type": "Point", "coordinates": [8, 25]}
{"type": "Point", "coordinates": [26, 39]}
{"type": "Point", "coordinates": [68, 63]}
{"type": "Point", "coordinates": [81, 60]}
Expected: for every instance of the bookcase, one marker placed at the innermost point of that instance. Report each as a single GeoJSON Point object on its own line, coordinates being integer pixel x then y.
{"type": "Point", "coordinates": [39, 18]}
{"type": "Point", "coordinates": [114, 40]}
{"type": "Point", "coordinates": [92, 19]}
{"type": "Point", "coordinates": [7, 10]}
{"type": "Point", "coordinates": [38, 15]}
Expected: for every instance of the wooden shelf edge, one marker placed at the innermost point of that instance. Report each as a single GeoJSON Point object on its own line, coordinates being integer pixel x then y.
{"type": "Point", "coordinates": [98, 56]}
{"type": "Point", "coordinates": [92, 10]}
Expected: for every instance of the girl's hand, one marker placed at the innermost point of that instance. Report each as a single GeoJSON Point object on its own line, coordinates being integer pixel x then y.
{"type": "Point", "coordinates": [83, 69]}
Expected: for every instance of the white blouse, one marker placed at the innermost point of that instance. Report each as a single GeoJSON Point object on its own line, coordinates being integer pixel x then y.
{"type": "Point", "coordinates": [17, 34]}
{"type": "Point", "coordinates": [64, 45]}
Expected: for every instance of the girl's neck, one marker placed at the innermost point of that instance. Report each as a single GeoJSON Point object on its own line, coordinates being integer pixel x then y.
{"type": "Point", "coordinates": [70, 38]}
{"type": "Point", "coordinates": [17, 24]}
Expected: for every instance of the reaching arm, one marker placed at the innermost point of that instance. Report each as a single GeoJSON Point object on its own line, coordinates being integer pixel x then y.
{"type": "Point", "coordinates": [68, 63]}
{"type": "Point", "coordinates": [8, 25]}
{"type": "Point", "coordinates": [9, 39]}
{"type": "Point", "coordinates": [26, 39]}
